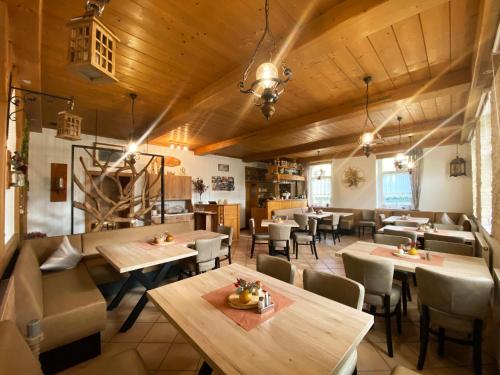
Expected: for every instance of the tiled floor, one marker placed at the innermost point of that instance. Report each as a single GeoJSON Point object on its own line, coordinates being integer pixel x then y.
{"type": "Point", "coordinates": [165, 351]}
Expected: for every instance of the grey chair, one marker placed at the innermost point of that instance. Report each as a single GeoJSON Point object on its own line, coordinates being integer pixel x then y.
{"type": "Point", "coordinates": [275, 267]}
{"type": "Point", "coordinates": [376, 276]}
{"type": "Point", "coordinates": [308, 238]}
{"type": "Point", "coordinates": [406, 223]}
{"type": "Point", "coordinates": [450, 247]}
{"type": "Point", "coordinates": [225, 250]}
{"type": "Point", "coordinates": [448, 226]}
{"type": "Point", "coordinates": [452, 303]}
{"type": "Point", "coordinates": [412, 236]}
{"type": "Point", "coordinates": [367, 221]}
{"type": "Point", "coordinates": [279, 236]}
{"type": "Point", "coordinates": [389, 239]}
{"type": "Point", "coordinates": [302, 220]}
{"type": "Point", "coordinates": [440, 237]}
{"type": "Point", "coordinates": [332, 225]}
{"type": "Point", "coordinates": [206, 260]}
{"type": "Point", "coordinates": [342, 290]}
{"type": "Point", "coordinates": [257, 238]}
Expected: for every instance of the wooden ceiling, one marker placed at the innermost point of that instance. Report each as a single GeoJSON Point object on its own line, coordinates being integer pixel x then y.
{"type": "Point", "coordinates": [184, 60]}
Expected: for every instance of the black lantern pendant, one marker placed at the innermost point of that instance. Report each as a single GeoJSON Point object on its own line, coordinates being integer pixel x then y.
{"type": "Point", "coordinates": [457, 166]}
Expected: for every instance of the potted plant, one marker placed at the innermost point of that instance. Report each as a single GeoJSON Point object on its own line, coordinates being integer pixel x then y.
{"type": "Point", "coordinates": [199, 187]}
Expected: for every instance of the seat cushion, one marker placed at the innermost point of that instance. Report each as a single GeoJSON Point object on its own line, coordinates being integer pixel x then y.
{"type": "Point", "coordinates": [261, 236]}
{"type": "Point", "coordinates": [365, 223]}
{"type": "Point", "coordinates": [124, 363]}
{"type": "Point", "coordinates": [327, 227]}
{"type": "Point", "coordinates": [73, 307]}
{"type": "Point", "coordinates": [451, 322]}
{"type": "Point", "coordinates": [189, 264]}
{"type": "Point", "coordinates": [378, 301]}
{"type": "Point", "coordinates": [303, 238]}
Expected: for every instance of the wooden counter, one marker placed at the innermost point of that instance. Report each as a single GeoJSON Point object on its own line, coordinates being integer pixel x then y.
{"type": "Point", "coordinates": [224, 214]}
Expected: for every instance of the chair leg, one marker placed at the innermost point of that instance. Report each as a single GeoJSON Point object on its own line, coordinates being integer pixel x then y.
{"type": "Point", "coordinates": [313, 248]}
{"type": "Point", "coordinates": [355, 372]}
{"type": "Point", "coordinates": [399, 318]}
{"type": "Point", "coordinates": [408, 290]}
{"type": "Point", "coordinates": [296, 250]}
{"type": "Point", "coordinates": [424, 336]}
{"type": "Point", "coordinates": [229, 254]}
{"type": "Point", "coordinates": [404, 295]}
{"type": "Point", "coordinates": [287, 250]}
{"type": "Point", "coordinates": [333, 236]}
{"type": "Point", "coordinates": [441, 334]}
{"type": "Point", "coordinates": [387, 315]}
{"type": "Point", "coordinates": [477, 342]}
{"type": "Point", "coordinates": [253, 247]}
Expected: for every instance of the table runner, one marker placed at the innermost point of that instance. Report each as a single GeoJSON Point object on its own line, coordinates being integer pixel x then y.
{"type": "Point", "coordinates": [247, 319]}
{"type": "Point", "coordinates": [435, 260]}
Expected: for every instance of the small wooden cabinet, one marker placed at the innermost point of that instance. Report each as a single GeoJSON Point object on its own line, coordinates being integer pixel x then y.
{"type": "Point", "coordinates": [224, 214]}
{"type": "Point", "coordinates": [177, 187]}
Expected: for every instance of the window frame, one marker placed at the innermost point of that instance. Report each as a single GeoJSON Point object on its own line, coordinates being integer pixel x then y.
{"type": "Point", "coordinates": [311, 180]}
{"type": "Point", "coordinates": [380, 178]}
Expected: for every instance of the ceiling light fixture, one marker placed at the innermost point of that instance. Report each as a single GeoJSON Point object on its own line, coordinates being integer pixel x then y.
{"type": "Point", "coordinates": [268, 86]}
{"type": "Point", "coordinates": [399, 160]}
{"type": "Point", "coordinates": [132, 146]}
{"type": "Point", "coordinates": [368, 138]}
{"type": "Point", "coordinates": [411, 163]}
{"type": "Point", "coordinates": [457, 166]}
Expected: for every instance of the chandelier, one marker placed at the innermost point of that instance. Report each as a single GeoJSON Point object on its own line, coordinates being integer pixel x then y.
{"type": "Point", "coordinates": [399, 160]}
{"type": "Point", "coordinates": [457, 166]}
{"type": "Point", "coordinates": [132, 146]}
{"type": "Point", "coordinates": [268, 86]}
{"type": "Point", "coordinates": [369, 139]}
{"type": "Point", "coordinates": [410, 166]}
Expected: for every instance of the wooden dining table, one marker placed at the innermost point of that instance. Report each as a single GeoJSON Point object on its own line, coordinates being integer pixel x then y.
{"type": "Point", "coordinates": [291, 223]}
{"type": "Point", "coordinates": [467, 236]}
{"type": "Point", "coordinates": [311, 336]}
{"type": "Point", "coordinates": [412, 219]}
{"type": "Point", "coordinates": [457, 265]}
{"type": "Point", "coordinates": [135, 256]}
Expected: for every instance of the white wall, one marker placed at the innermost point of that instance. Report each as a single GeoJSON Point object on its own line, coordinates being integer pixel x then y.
{"type": "Point", "coordinates": [54, 218]}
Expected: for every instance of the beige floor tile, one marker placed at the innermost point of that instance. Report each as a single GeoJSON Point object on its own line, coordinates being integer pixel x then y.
{"type": "Point", "coordinates": [370, 359]}
{"type": "Point", "coordinates": [153, 354]}
{"type": "Point", "coordinates": [110, 331]}
{"type": "Point", "coordinates": [180, 357]}
{"type": "Point", "coordinates": [161, 332]}
{"type": "Point", "coordinates": [180, 339]}
{"type": "Point", "coordinates": [135, 334]}
{"type": "Point", "coordinates": [110, 348]}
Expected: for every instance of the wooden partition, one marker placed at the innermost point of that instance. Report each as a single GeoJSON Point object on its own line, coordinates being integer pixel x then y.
{"type": "Point", "coordinates": [224, 214]}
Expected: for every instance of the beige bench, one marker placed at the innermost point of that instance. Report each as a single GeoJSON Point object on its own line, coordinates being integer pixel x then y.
{"type": "Point", "coordinates": [289, 212]}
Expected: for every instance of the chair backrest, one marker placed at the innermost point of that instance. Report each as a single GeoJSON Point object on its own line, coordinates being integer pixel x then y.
{"type": "Point", "coordinates": [282, 217]}
{"type": "Point", "coordinates": [381, 217]}
{"type": "Point", "coordinates": [448, 226]}
{"type": "Point", "coordinates": [279, 232]}
{"type": "Point", "coordinates": [389, 239]}
{"type": "Point", "coordinates": [228, 231]}
{"type": "Point", "coordinates": [336, 219]}
{"type": "Point", "coordinates": [368, 215]}
{"type": "Point", "coordinates": [440, 237]}
{"type": "Point", "coordinates": [450, 247]}
{"type": "Point", "coordinates": [402, 233]}
{"type": "Point", "coordinates": [465, 296]}
{"type": "Point", "coordinates": [313, 226]}
{"type": "Point", "coordinates": [374, 274]}
{"type": "Point", "coordinates": [276, 267]}
{"type": "Point", "coordinates": [302, 220]}
{"type": "Point", "coordinates": [406, 223]}
{"type": "Point", "coordinates": [251, 224]}
{"type": "Point", "coordinates": [208, 249]}
{"type": "Point", "coordinates": [337, 288]}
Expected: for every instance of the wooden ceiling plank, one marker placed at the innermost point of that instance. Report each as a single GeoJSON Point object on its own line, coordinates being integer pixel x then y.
{"type": "Point", "coordinates": [388, 132]}
{"type": "Point", "coordinates": [463, 18]}
{"type": "Point", "coordinates": [450, 82]}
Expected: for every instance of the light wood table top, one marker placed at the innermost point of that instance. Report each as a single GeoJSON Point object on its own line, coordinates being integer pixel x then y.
{"type": "Point", "coordinates": [467, 236]}
{"type": "Point", "coordinates": [457, 265]}
{"type": "Point", "coordinates": [291, 223]}
{"type": "Point", "coordinates": [311, 336]}
{"type": "Point", "coordinates": [393, 219]}
{"type": "Point", "coordinates": [130, 256]}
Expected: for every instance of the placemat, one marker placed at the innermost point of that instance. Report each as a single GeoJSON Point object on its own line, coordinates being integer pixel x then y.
{"type": "Point", "coordinates": [435, 260]}
{"type": "Point", "coordinates": [247, 319]}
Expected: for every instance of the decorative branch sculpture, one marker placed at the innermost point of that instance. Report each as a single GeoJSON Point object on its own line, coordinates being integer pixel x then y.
{"type": "Point", "coordinates": [104, 209]}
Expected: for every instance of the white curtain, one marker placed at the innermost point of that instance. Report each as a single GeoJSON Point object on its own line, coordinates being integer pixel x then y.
{"type": "Point", "coordinates": [416, 177]}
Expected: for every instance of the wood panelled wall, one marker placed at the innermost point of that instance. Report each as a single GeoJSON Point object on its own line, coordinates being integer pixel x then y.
{"type": "Point", "coordinates": [495, 144]}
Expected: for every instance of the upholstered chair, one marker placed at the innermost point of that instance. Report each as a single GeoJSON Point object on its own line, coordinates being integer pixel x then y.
{"type": "Point", "coordinates": [389, 239]}
{"type": "Point", "coordinates": [376, 276]}
{"type": "Point", "coordinates": [406, 223]}
{"type": "Point", "coordinates": [342, 290]}
{"type": "Point", "coordinates": [225, 250]}
{"type": "Point", "coordinates": [275, 267]}
{"type": "Point", "coordinates": [381, 217]}
{"type": "Point", "coordinates": [208, 252]}
{"type": "Point", "coordinates": [257, 238]}
{"type": "Point", "coordinates": [333, 226]}
{"type": "Point", "coordinates": [308, 238]}
{"type": "Point", "coordinates": [412, 236]}
{"type": "Point", "coordinates": [279, 236]}
{"type": "Point", "coordinates": [450, 247]}
{"type": "Point", "coordinates": [440, 237]}
{"type": "Point", "coordinates": [367, 221]}
{"type": "Point", "coordinates": [448, 226]}
{"type": "Point", "coordinates": [302, 220]}
{"type": "Point", "coordinates": [452, 304]}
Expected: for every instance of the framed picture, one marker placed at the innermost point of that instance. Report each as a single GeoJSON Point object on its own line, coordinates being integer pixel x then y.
{"type": "Point", "coordinates": [110, 152]}
{"type": "Point", "coordinates": [223, 167]}
{"type": "Point", "coordinates": [222, 183]}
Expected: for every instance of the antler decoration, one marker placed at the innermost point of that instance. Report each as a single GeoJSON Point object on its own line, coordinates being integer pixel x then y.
{"type": "Point", "coordinates": [105, 209]}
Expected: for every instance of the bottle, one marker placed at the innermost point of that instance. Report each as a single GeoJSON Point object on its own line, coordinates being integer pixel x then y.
{"type": "Point", "coordinates": [260, 304]}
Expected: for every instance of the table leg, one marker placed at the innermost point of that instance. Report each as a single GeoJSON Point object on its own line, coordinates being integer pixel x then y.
{"type": "Point", "coordinates": [121, 293]}
{"type": "Point", "coordinates": [148, 284]}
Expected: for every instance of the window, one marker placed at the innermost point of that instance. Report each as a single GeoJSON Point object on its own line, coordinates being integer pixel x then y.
{"type": "Point", "coordinates": [395, 185]}
{"type": "Point", "coordinates": [474, 175]}
{"type": "Point", "coordinates": [320, 177]}
{"type": "Point", "coordinates": [486, 208]}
